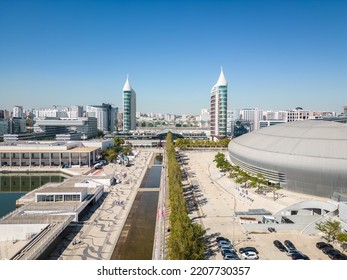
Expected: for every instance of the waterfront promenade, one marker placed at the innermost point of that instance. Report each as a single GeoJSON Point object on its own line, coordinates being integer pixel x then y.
{"type": "Point", "coordinates": [95, 236]}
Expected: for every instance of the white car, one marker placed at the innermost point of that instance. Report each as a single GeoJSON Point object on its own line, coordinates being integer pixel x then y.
{"type": "Point", "coordinates": [249, 256]}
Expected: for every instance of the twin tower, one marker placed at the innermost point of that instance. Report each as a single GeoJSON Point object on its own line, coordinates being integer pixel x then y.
{"type": "Point", "coordinates": [218, 107]}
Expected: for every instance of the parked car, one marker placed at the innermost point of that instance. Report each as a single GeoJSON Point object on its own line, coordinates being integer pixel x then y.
{"type": "Point", "coordinates": [339, 256]}
{"type": "Point", "coordinates": [280, 246]}
{"type": "Point", "coordinates": [334, 254]}
{"type": "Point", "coordinates": [291, 252]}
{"type": "Point", "coordinates": [224, 243]}
{"type": "Point", "coordinates": [228, 247]}
{"type": "Point", "coordinates": [249, 255]}
{"type": "Point", "coordinates": [221, 238]}
{"type": "Point", "coordinates": [289, 245]}
{"type": "Point", "coordinates": [248, 249]}
{"type": "Point", "coordinates": [328, 250]}
{"type": "Point", "coordinates": [231, 257]}
{"type": "Point", "coordinates": [321, 245]}
{"type": "Point", "coordinates": [299, 256]}
{"type": "Point", "coordinates": [228, 252]}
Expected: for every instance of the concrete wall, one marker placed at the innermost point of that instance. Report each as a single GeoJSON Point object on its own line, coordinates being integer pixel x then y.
{"type": "Point", "coordinates": [343, 212]}
{"type": "Point", "coordinates": [19, 232]}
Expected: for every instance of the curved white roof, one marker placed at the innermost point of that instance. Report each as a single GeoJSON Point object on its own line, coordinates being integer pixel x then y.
{"type": "Point", "coordinates": [305, 138]}
{"type": "Point", "coordinates": [303, 156]}
{"type": "Point", "coordinates": [127, 86]}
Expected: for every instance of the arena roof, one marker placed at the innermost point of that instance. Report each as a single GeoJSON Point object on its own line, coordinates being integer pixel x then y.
{"type": "Point", "coordinates": [311, 138]}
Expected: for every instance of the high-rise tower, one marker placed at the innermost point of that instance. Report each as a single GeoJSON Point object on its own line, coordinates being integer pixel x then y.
{"type": "Point", "coordinates": [219, 101]}
{"type": "Point", "coordinates": [129, 107]}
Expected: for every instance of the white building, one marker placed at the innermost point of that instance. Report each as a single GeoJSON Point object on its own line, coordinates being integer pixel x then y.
{"type": "Point", "coordinates": [298, 114]}
{"type": "Point", "coordinates": [86, 126]}
{"type": "Point", "coordinates": [49, 113]}
{"type": "Point", "coordinates": [254, 116]}
{"type": "Point", "coordinates": [129, 107]}
{"type": "Point", "coordinates": [232, 116]}
{"type": "Point", "coordinates": [75, 111]}
{"type": "Point", "coordinates": [219, 104]}
{"type": "Point", "coordinates": [105, 114]}
{"type": "Point", "coordinates": [34, 153]}
{"type": "Point", "coordinates": [17, 112]}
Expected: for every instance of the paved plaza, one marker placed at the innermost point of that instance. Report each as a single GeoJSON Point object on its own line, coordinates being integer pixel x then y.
{"type": "Point", "coordinates": [219, 196]}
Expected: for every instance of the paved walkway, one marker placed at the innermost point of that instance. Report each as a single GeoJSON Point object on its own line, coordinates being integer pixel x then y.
{"type": "Point", "coordinates": [95, 237]}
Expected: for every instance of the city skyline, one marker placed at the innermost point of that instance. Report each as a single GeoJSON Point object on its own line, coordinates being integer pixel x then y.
{"type": "Point", "coordinates": [79, 52]}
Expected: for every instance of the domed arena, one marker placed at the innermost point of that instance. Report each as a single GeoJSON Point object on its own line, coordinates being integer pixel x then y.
{"type": "Point", "coordinates": [304, 156]}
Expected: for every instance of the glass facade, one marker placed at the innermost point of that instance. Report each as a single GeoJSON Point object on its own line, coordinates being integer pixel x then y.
{"type": "Point", "coordinates": [219, 107]}
{"type": "Point", "coordinates": [129, 108]}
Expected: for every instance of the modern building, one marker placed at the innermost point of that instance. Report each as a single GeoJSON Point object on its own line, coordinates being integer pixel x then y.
{"type": "Point", "coordinates": [16, 125]}
{"type": "Point", "coordinates": [240, 127]}
{"type": "Point", "coordinates": [47, 154]}
{"type": "Point", "coordinates": [232, 117]}
{"type": "Point", "coordinates": [75, 111]}
{"type": "Point", "coordinates": [86, 126]}
{"type": "Point", "coordinates": [254, 116]}
{"type": "Point", "coordinates": [106, 116]}
{"type": "Point", "coordinates": [49, 113]}
{"type": "Point", "coordinates": [219, 105]}
{"type": "Point", "coordinates": [4, 114]}
{"type": "Point", "coordinates": [307, 156]}
{"type": "Point", "coordinates": [129, 107]}
{"type": "Point", "coordinates": [17, 112]}
{"type": "Point", "coordinates": [3, 127]}
{"type": "Point", "coordinates": [298, 114]}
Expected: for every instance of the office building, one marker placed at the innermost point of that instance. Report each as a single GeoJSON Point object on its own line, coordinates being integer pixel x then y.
{"type": "Point", "coordinates": [49, 113]}
{"type": "Point", "coordinates": [254, 116]}
{"type": "Point", "coordinates": [106, 116]}
{"type": "Point", "coordinates": [3, 127]}
{"type": "Point", "coordinates": [218, 105]}
{"type": "Point", "coordinates": [17, 112]}
{"type": "Point", "coordinates": [75, 111]}
{"type": "Point", "coordinates": [129, 107]}
{"type": "Point", "coordinates": [86, 127]}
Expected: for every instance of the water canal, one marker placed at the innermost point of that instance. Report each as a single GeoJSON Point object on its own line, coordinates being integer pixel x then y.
{"type": "Point", "coordinates": [137, 237]}
{"type": "Point", "coordinates": [15, 185]}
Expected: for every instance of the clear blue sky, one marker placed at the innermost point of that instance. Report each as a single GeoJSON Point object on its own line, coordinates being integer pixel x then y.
{"type": "Point", "coordinates": [275, 54]}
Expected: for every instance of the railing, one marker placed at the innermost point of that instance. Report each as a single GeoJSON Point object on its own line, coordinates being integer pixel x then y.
{"type": "Point", "coordinates": [41, 241]}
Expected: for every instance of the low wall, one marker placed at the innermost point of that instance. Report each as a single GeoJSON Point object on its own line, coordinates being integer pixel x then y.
{"type": "Point", "coordinates": [20, 231]}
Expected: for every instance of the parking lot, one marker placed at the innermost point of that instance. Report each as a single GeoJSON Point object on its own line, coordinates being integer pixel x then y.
{"type": "Point", "coordinates": [217, 198]}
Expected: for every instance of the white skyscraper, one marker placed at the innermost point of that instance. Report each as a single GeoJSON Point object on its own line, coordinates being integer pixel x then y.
{"type": "Point", "coordinates": [129, 107]}
{"type": "Point", "coordinates": [219, 102]}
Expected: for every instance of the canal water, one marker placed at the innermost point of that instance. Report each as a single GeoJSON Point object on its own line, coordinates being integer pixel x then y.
{"type": "Point", "coordinates": [137, 237]}
{"type": "Point", "coordinates": [14, 186]}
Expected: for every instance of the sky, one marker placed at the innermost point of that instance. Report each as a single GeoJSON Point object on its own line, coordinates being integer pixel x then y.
{"type": "Point", "coordinates": [276, 55]}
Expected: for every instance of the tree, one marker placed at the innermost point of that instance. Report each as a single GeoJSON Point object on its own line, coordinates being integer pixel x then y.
{"type": "Point", "coordinates": [100, 133]}
{"type": "Point", "coordinates": [117, 141]}
{"type": "Point", "coordinates": [186, 239]}
{"type": "Point", "coordinates": [221, 162]}
{"type": "Point", "coordinates": [329, 228]}
{"type": "Point", "coordinates": [258, 182]}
